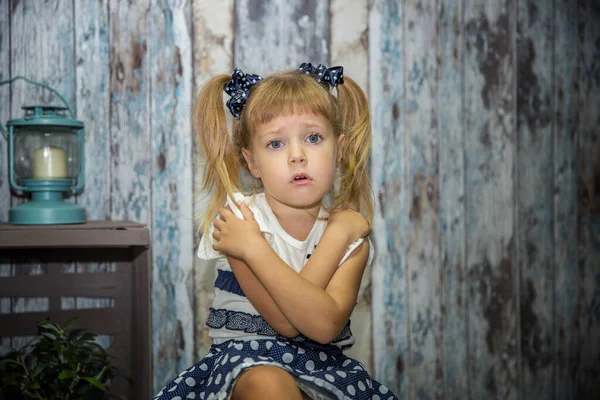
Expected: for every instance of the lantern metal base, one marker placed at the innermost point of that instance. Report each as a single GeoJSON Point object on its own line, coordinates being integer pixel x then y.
{"type": "Point", "coordinates": [47, 206]}
{"type": "Point", "coordinates": [46, 213]}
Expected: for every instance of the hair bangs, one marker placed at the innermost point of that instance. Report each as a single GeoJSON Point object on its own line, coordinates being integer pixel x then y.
{"type": "Point", "coordinates": [289, 93]}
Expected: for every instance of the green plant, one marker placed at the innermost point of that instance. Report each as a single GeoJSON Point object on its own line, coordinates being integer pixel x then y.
{"type": "Point", "coordinates": [59, 363]}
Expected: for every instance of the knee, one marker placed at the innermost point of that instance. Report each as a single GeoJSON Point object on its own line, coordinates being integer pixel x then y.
{"type": "Point", "coordinates": [269, 381]}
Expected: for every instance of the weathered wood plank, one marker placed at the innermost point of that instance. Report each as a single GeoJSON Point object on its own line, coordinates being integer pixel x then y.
{"type": "Point", "coordinates": [274, 35]}
{"type": "Point", "coordinates": [170, 60]}
{"type": "Point", "coordinates": [5, 94]}
{"type": "Point", "coordinates": [213, 29]}
{"type": "Point", "coordinates": [423, 271]}
{"type": "Point", "coordinates": [589, 202]}
{"type": "Point", "coordinates": [452, 199]}
{"type": "Point", "coordinates": [92, 99]}
{"type": "Point", "coordinates": [349, 48]}
{"type": "Point", "coordinates": [534, 191]}
{"type": "Point", "coordinates": [5, 111]}
{"type": "Point", "coordinates": [490, 185]}
{"type": "Point", "coordinates": [5, 115]}
{"type": "Point", "coordinates": [42, 50]}
{"type": "Point", "coordinates": [565, 196]}
{"type": "Point", "coordinates": [129, 117]}
{"type": "Point", "coordinates": [390, 186]}
{"type": "Point", "coordinates": [349, 43]}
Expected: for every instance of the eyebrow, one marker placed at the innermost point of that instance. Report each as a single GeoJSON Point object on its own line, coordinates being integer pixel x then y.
{"type": "Point", "coordinates": [306, 125]}
{"type": "Point", "coordinates": [273, 132]}
{"type": "Point", "coordinates": [310, 126]}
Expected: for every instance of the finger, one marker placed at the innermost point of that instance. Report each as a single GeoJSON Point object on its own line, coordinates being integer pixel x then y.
{"type": "Point", "coordinates": [225, 213]}
{"type": "Point", "coordinates": [216, 236]}
{"type": "Point", "coordinates": [218, 224]}
{"type": "Point", "coordinates": [222, 210]}
{"type": "Point", "coordinates": [247, 212]}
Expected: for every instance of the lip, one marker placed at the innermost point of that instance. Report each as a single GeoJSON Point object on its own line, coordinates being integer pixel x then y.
{"type": "Point", "coordinates": [301, 182]}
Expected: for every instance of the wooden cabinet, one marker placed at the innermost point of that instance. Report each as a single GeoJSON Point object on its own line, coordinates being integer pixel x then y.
{"type": "Point", "coordinates": [125, 248]}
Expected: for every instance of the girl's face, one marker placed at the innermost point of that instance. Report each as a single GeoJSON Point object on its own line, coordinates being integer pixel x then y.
{"type": "Point", "coordinates": [295, 156]}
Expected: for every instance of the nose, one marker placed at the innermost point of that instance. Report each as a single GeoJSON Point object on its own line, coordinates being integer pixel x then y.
{"type": "Point", "coordinates": [296, 155]}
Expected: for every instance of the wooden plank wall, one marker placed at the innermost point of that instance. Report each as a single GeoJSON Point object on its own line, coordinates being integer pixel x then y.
{"type": "Point", "coordinates": [37, 45]}
{"type": "Point", "coordinates": [565, 96]}
{"type": "Point", "coordinates": [348, 35]}
{"type": "Point", "coordinates": [171, 83]}
{"type": "Point", "coordinates": [5, 112]}
{"type": "Point", "coordinates": [485, 168]}
{"type": "Point", "coordinates": [213, 54]}
{"type": "Point", "coordinates": [488, 288]}
{"type": "Point", "coordinates": [5, 268]}
{"type": "Point", "coordinates": [534, 187]}
{"type": "Point", "coordinates": [490, 196]}
{"type": "Point", "coordinates": [5, 93]}
{"type": "Point", "coordinates": [390, 300]}
{"type": "Point", "coordinates": [452, 205]}
{"type": "Point", "coordinates": [588, 209]}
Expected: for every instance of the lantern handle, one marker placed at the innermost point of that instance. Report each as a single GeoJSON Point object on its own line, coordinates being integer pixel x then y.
{"type": "Point", "coordinates": [32, 82]}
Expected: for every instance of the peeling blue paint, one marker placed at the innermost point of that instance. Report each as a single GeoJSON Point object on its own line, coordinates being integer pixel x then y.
{"type": "Point", "coordinates": [387, 96]}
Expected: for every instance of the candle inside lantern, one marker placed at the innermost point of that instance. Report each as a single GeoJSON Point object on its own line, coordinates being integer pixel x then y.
{"type": "Point", "coordinates": [49, 162]}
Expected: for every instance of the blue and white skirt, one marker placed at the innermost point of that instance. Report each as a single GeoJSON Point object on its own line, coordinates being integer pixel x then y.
{"type": "Point", "coordinates": [321, 371]}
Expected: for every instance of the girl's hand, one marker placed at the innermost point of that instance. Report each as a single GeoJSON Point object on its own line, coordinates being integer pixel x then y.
{"type": "Point", "coordinates": [234, 236]}
{"type": "Point", "coordinates": [350, 223]}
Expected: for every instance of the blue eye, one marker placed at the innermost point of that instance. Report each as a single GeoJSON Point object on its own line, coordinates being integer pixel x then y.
{"type": "Point", "coordinates": [275, 144]}
{"type": "Point", "coordinates": [315, 138]}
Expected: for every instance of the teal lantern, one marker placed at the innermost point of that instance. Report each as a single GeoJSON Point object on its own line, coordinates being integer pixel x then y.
{"type": "Point", "coordinates": [46, 159]}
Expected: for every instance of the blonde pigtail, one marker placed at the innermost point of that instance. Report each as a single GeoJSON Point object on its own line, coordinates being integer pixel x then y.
{"type": "Point", "coordinates": [355, 184]}
{"type": "Point", "coordinates": [222, 163]}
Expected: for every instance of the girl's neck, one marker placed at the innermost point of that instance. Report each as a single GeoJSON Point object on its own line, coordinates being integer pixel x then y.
{"type": "Point", "coordinates": [297, 222]}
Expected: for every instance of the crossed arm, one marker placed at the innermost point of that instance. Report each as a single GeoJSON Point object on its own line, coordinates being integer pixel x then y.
{"type": "Point", "coordinates": [318, 301]}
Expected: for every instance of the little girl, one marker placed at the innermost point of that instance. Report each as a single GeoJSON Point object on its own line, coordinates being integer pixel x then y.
{"type": "Point", "coordinates": [290, 258]}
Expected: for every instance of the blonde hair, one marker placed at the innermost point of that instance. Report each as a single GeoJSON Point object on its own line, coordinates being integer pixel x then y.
{"type": "Point", "coordinates": [283, 93]}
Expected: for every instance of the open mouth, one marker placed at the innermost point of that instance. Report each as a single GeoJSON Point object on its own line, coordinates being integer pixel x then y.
{"type": "Point", "coordinates": [300, 179]}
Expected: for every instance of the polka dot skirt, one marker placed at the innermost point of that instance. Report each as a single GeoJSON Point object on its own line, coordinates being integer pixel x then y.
{"type": "Point", "coordinates": [324, 372]}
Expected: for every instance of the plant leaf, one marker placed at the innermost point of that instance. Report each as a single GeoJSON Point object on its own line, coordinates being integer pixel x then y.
{"type": "Point", "coordinates": [38, 369]}
{"type": "Point", "coordinates": [66, 374]}
{"type": "Point", "coordinates": [55, 360]}
{"type": "Point", "coordinates": [94, 382]}
{"type": "Point", "coordinates": [33, 385]}
{"type": "Point", "coordinates": [9, 361]}
{"type": "Point", "coordinates": [48, 335]}
{"type": "Point", "coordinates": [49, 325]}
{"type": "Point", "coordinates": [85, 338]}
{"type": "Point", "coordinates": [9, 380]}
{"type": "Point", "coordinates": [69, 322]}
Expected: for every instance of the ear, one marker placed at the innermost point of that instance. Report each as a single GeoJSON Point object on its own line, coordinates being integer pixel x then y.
{"type": "Point", "coordinates": [251, 164]}
{"type": "Point", "coordinates": [341, 140]}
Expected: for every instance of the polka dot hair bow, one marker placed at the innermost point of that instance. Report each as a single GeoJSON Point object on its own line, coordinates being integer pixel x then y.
{"type": "Point", "coordinates": [329, 77]}
{"type": "Point", "coordinates": [238, 88]}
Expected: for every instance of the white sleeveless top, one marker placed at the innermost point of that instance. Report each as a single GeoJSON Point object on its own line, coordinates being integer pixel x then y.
{"type": "Point", "coordinates": [232, 316]}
